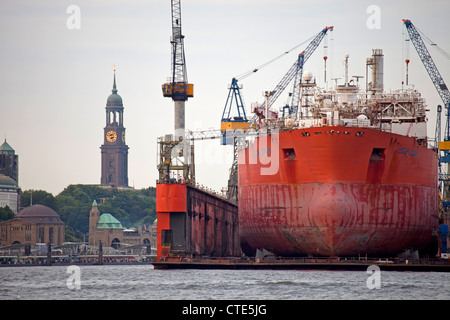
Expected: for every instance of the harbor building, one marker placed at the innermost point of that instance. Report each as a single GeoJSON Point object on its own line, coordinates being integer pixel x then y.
{"type": "Point", "coordinates": [9, 193]}
{"type": "Point", "coordinates": [9, 178]}
{"type": "Point", "coordinates": [32, 225]}
{"type": "Point", "coordinates": [107, 229]}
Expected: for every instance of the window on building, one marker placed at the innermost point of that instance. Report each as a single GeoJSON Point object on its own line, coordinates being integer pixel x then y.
{"type": "Point", "coordinates": [50, 235]}
{"type": "Point", "coordinates": [41, 235]}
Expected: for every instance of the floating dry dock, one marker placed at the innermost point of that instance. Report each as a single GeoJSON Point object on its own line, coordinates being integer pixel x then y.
{"type": "Point", "coordinates": [306, 264]}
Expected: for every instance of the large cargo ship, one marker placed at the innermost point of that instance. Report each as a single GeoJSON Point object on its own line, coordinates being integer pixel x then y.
{"type": "Point", "coordinates": [351, 174]}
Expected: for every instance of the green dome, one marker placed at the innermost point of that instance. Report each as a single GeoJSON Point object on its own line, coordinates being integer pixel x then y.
{"type": "Point", "coordinates": [107, 221]}
{"type": "Point", "coordinates": [114, 100]}
{"type": "Point", "coordinates": [6, 182]}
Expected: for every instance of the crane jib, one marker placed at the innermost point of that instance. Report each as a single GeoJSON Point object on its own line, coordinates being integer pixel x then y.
{"type": "Point", "coordinates": [297, 67]}
{"type": "Point", "coordinates": [428, 62]}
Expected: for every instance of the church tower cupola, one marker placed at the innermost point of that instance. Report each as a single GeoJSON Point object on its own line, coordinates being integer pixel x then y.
{"type": "Point", "coordinates": [9, 162]}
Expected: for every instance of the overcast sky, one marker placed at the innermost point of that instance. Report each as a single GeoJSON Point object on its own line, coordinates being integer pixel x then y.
{"type": "Point", "coordinates": [54, 80]}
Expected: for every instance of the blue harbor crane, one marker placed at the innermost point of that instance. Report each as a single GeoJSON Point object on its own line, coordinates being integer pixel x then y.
{"type": "Point", "coordinates": [233, 125]}
{"type": "Point", "coordinates": [440, 86]}
{"type": "Point", "coordinates": [442, 89]}
{"type": "Point", "coordinates": [232, 122]}
{"type": "Point", "coordinates": [428, 62]}
{"type": "Point", "coordinates": [240, 122]}
{"type": "Point", "coordinates": [436, 78]}
{"type": "Point", "coordinates": [295, 72]}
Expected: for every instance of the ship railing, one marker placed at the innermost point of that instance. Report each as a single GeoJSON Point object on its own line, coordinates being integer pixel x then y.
{"type": "Point", "coordinates": [320, 260]}
{"type": "Point", "coordinates": [359, 123]}
{"type": "Point", "coordinates": [353, 260]}
{"type": "Point", "coordinates": [219, 194]}
{"type": "Point", "coordinates": [315, 123]}
{"type": "Point", "coordinates": [363, 260]}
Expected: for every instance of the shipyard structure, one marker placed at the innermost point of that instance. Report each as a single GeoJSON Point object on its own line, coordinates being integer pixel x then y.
{"type": "Point", "coordinates": [190, 221]}
{"type": "Point", "coordinates": [339, 172]}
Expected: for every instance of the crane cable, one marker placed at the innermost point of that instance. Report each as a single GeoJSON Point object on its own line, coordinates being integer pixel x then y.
{"type": "Point", "coordinates": [254, 70]}
{"type": "Point", "coordinates": [434, 45]}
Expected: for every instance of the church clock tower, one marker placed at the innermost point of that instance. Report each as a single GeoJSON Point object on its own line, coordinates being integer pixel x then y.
{"type": "Point", "coordinates": [114, 150]}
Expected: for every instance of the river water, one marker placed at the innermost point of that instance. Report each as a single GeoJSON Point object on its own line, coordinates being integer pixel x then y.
{"type": "Point", "coordinates": [143, 282]}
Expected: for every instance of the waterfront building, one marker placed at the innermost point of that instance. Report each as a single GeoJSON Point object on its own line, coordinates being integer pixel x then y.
{"type": "Point", "coordinates": [33, 225]}
{"type": "Point", "coordinates": [9, 178]}
{"type": "Point", "coordinates": [9, 193]}
{"type": "Point", "coordinates": [107, 229]}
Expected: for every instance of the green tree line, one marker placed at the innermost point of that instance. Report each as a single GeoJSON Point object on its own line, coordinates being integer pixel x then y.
{"type": "Point", "coordinates": [131, 207]}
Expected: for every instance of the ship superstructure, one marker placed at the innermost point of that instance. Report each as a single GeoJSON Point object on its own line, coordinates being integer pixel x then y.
{"type": "Point", "coordinates": [401, 111]}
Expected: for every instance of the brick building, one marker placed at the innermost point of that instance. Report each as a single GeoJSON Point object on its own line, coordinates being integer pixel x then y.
{"type": "Point", "coordinates": [107, 229]}
{"type": "Point", "coordinates": [32, 225]}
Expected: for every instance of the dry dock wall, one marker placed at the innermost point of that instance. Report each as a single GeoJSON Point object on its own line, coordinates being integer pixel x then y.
{"type": "Point", "coordinates": [192, 222]}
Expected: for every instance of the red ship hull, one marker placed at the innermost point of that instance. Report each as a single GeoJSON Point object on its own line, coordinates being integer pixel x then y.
{"type": "Point", "coordinates": [337, 191]}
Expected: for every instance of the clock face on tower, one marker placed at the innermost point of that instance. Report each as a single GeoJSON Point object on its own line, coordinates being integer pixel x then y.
{"type": "Point", "coordinates": [111, 136]}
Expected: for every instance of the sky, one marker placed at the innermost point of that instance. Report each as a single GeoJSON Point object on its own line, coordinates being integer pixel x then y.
{"type": "Point", "coordinates": [56, 72]}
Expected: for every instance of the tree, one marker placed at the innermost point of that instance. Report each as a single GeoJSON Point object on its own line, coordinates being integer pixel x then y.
{"type": "Point", "coordinates": [45, 198]}
{"type": "Point", "coordinates": [6, 213]}
{"type": "Point", "coordinates": [130, 207]}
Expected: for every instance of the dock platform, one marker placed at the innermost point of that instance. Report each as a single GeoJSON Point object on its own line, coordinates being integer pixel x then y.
{"type": "Point", "coordinates": [307, 264]}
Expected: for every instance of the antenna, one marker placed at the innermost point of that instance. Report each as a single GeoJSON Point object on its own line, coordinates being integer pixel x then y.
{"type": "Point", "coordinates": [325, 57]}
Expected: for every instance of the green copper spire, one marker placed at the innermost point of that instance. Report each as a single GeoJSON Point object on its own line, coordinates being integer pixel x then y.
{"type": "Point", "coordinates": [6, 148]}
{"type": "Point", "coordinates": [114, 100]}
{"type": "Point", "coordinates": [114, 90]}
